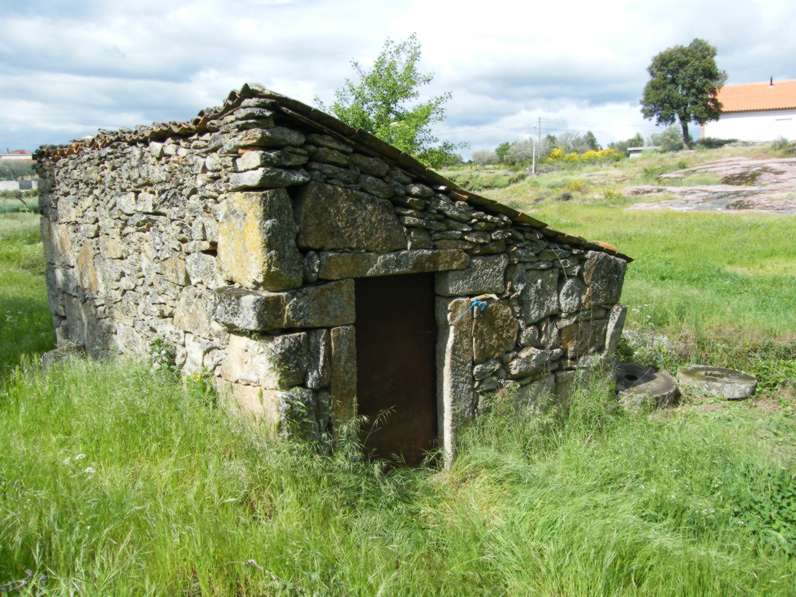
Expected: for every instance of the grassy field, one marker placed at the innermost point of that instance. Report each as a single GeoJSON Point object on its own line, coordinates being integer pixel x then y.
{"type": "Point", "coordinates": [25, 322]}
{"type": "Point", "coordinates": [13, 202]}
{"type": "Point", "coordinates": [722, 287]}
{"type": "Point", "coordinates": [717, 273]}
{"type": "Point", "coordinates": [119, 480]}
{"type": "Point", "coordinates": [601, 182]}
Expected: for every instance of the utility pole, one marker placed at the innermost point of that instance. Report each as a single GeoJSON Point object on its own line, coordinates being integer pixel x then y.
{"type": "Point", "coordinates": [536, 144]}
{"type": "Point", "coordinates": [539, 132]}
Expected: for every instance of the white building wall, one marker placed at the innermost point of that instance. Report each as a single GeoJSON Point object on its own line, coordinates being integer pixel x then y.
{"type": "Point", "coordinates": [19, 185]}
{"type": "Point", "coordinates": [753, 126]}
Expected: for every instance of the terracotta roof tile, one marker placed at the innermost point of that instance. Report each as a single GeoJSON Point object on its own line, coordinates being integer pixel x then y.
{"type": "Point", "coordinates": [758, 96]}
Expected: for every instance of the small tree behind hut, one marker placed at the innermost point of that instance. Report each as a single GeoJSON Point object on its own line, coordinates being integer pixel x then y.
{"type": "Point", "coordinates": [683, 86]}
{"type": "Point", "coordinates": [382, 100]}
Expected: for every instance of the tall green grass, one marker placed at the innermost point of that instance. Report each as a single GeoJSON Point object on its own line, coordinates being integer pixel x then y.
{"type": "Point", "coordinates": [721, 273]}
{"type": "Point", "coordinates": [118, 480]}
{"type": "Point", "coordinates": [25, 321]}
{"type": "Point", "coordinates": [15, 202]}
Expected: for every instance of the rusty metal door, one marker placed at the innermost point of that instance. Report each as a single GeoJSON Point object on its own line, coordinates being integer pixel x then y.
{"type": "Point", "coordinates": [396, 365]}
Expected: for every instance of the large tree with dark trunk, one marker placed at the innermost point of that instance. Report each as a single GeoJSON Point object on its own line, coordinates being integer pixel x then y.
{"type": "Point", "coordinates": [683, 86]}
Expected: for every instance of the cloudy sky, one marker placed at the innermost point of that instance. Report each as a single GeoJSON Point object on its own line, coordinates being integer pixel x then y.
{"type": "Point", "coordinates": [69, 67]}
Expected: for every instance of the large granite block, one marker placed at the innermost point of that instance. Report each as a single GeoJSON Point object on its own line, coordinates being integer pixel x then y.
{"type": "Point", "coordinates": [323, 305]}
{"type": "Point", "coordinates": [256, 241]}
{"type": "Point", "coordinates": [333, 217]}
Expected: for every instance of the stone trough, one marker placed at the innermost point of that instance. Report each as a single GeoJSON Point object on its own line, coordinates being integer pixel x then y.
{"type": "Point", "coordinates": [641, 388]}
{"type": "Point", "coordinates": [717, 381]}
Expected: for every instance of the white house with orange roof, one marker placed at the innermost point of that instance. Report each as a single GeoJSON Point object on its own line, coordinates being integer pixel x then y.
{"type": "Point", "coordinates": [755, 112]}
{"type": "Point", "coordinates": [16, 155]}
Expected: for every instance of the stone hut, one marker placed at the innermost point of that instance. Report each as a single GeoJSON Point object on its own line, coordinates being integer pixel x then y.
{"type": "Point", "coordinates": [316, 272]}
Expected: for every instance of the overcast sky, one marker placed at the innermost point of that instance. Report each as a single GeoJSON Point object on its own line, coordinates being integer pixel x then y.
{"type": "Point", "coordinates": [69, 67]}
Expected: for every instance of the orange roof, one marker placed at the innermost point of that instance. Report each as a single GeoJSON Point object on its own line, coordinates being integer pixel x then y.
{"type": "Point", "coordinates": [758, 96]}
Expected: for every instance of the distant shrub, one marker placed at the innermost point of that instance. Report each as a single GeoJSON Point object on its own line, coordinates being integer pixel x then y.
{"type": "Point", "coordinates": [16, 194]}
{"type": "Point", "coordinates": [483, 157]}
{"type": "Point", "coordinates": [612, 196]}
{"type": "Point", "coordinates": [517, 177]}
{"type": "Point", "coordinates": [521, 152]}
{"type": "Point", "coordinates": [568, 146]}
{"type": "Point", "coordinates": [479, 179]}
{"type": "Point", "coordinates": [622, 146]}
{"type": "Point", "coordinates": [19, 201]}
{"type": "Point", "coordinates": [576, 142]}
{"type": "Point", "coordinates": [782, 144]}
{"type": "Point", "coordinates": [671, 139]}
{"type": "Point", "coordinates": [438, 157]}
{"type": "Point", "coordinates": [502, 151]}
{"type": "Point", "coordinates": [713, 143]}
{"type": "Point", "coordinates": [653, 172]}
{"type": "Point", "coordinates": [576, 186]}
{"type": "Point", "coordinates": [15, 169]}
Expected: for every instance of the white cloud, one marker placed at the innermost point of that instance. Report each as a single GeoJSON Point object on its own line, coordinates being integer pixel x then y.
{"type": "Point", "coordinates": [68, 68]}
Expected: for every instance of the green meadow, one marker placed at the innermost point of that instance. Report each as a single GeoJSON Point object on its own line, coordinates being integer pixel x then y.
{"type": "Point", "coordinates": [116, 479]}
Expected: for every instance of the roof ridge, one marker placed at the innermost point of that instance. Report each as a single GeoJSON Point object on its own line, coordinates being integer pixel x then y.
{"type": "Point", "coordinates": [297, 110]}
{"type": "Point", "coordinates": [765, 83]}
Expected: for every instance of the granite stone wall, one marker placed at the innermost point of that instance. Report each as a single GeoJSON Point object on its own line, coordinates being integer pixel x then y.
{"type": "Point", "coordinates": [236, 239]}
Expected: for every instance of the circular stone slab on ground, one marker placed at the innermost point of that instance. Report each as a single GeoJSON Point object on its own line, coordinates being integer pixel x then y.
{"type": "Point", "coordinates": [643, 388]}
{"type": "Point", "coordinates": [726, 383]}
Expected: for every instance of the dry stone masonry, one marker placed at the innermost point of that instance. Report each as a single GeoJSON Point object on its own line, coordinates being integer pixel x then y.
{"type": "Point", "coordinates": [236, 239]}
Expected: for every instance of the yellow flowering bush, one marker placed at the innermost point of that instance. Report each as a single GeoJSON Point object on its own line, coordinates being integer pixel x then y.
{"type": "Point", "coordinates": [591, 155]}
{"type": "Point", "coordinates": [609, 153]}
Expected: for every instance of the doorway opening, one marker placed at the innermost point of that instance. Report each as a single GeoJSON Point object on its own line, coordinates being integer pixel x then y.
{"type": "Point", "coordinates": [396, 365]}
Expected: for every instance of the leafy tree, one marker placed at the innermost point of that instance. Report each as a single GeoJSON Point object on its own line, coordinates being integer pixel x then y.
{"type": "Point", "coordinates": [382, 100]}
{"type": "Point", "coordinates": [13, 169]}
{"type": "Point", "coordinates": [448, 158]}
{"type": "Point", "coordinates": [571, 141]}
{"type": "Point", "coordinates": [670, 139]}
{"type": "Point", "coordinates": [591, 141]}
{"type": "Point", "coordinates": [501, 151]}
{"type": "Point", "coordinates": [520, 152]}
{"type": "Point", "coordinates": [636, 141]}
{"type": "Point", "coordinates": [684, 81]}
{"type": "Point", "coordinates": [482, 157]}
